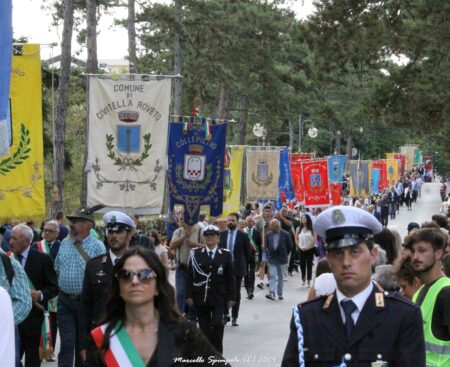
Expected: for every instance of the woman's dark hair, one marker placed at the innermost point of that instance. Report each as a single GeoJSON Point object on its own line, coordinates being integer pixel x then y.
{"type": "Point", "coordinates": [156, 238]}
{"type": "Point", "coordinates": [309, 224]}
{"type": "Point", "coordinates": [164, 302]}
{"type": "Point", "coordinates": [404, 269]}
{"type": "Point", "coordinates": [386, 240]}
{"type": "Point", "coordinates": [322, 267]}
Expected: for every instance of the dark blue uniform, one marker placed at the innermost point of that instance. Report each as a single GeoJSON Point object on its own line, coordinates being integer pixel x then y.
{"type": "Point", "coordinates": [389, 329]}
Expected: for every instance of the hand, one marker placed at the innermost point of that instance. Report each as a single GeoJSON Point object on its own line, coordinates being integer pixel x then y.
{"type": "Point", "coordinates": [36, 296]}
{"type": "Point", "coordinates": [83, 354]}
{"type": "Point", "coordinates": [190, 302]}
{"type": "Point", "coordinates": [231, 304]}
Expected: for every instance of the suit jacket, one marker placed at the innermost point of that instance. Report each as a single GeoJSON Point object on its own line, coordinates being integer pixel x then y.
{"type": "Point", "coordinates": [40, 271]}
{"type": "Point", "coordinates": [256, 235]}
{"type": "Point", "coordinates": [241, 251]}
{"type": "Point", "coordinates": [53, 249]}
{"type": "Point", "coordinates": [221, 284]}
{"type": "Point", "coordinates": [280, 254]}
{"type": "Point", "coordinates": [391, 328]}
{"type": "Point", "coordinates": [97, 278]}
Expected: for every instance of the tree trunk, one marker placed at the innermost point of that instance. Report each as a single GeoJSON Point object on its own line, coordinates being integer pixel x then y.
{"type": "Point", "coordinates": [222, 107]}
{"type": "Point", "coordinates": [178, 88]}
{"type": "Point", "coordinates": [338, 142]}
{"type": "Point", "coordinates": [131, 24]}
{"type": "Point", "coordinates": [244, 103]}
{"type": "Point", "coordinates": [61, 109]}
{"type": "Point", "coordinates": [349, 148]}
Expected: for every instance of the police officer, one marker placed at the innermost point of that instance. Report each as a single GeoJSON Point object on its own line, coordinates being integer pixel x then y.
{"type": "Point", "coordinates": [358, 325]}
{"type": "Point", "coordinates": [98, 273]}
{"type": "Point", "coordinates": [210, 285]}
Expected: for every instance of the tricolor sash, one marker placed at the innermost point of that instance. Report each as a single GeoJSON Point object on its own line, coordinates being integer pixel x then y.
{"type": "Point", "coordinates": [121, 352]}
{"type": "Point", "coordinates": [252, 240]}
{"type": "Point", "coordinates": [45, 343]}
{"type": "Point", "coordinates": [43, 247]}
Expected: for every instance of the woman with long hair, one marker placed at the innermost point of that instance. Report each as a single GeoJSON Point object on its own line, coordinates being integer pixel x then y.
{"type": "Point", "coordinates": [306, 241]}
{"type": "Point", "coordinates": [142, 325]}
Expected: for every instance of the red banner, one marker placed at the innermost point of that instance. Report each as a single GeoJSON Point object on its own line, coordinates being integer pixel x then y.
{"type": "Point", "coordinates": [297, 180]}
{"type": "Point", "coordinates": [402, 159]}
{"type": "Point", "coordinates": [381, 165]}
{"type": "Point", "coordinates": [428, 161]}
{"type": "Point", "coordinates": [335, 193]}
{"type": "Point", "coordinates": [300, 157]}
{"type": "Point", "coordinates": [315, 179]}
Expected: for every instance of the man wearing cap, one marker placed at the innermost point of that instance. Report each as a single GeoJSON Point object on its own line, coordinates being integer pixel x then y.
{"type": "Point", "coordinates": [75, 250]}
{"type": "Point", "coordinates": [427, 248]}
{"type": "Point", "coordinates": [359, 324]}
{"type": "Point", "coordinates": [98, 274]}
{"type": "Point", "coordinates": [412, 226]}
{"type": "Point", "coordinates": [210, 285]}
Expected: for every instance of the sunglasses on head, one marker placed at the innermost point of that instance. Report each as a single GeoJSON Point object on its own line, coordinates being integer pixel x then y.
{"type": "Point", "coordinates": [128, 275]}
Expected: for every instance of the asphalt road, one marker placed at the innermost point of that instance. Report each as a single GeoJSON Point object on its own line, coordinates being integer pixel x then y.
{"type": "Point", "coordinates": [263, 329]}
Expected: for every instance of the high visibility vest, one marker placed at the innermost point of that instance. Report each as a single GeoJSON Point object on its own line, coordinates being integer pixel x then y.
{"type": "Point", "coordinates": [437, 351]}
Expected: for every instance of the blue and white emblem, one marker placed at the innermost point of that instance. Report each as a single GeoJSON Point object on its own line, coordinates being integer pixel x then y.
{"type": "Point", "coordinates": [194, 167]}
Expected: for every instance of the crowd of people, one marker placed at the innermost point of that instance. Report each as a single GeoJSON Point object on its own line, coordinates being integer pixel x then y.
{"type": "Point", "coordinates": [107, 293]}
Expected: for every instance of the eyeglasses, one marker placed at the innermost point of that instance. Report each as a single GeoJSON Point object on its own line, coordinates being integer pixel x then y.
{"type": "Point", "coordinates": [49, 230]}
{"type": "Point", "coordinates": [144, 275]}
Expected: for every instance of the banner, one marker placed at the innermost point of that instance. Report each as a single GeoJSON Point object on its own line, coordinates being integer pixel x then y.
{"type": "Point", "coordinates": [359, 178]}
{"type": "Point", "coordinates": [297, 179]}
{"type": "Point", "coordinates": [402, 159]}
{"type": "Point", "coordinates": [375, 179]}
{"type": "Point", "coordinates": [336, 193]}
{"type": "Point", "coordinates": [417, 157]}
{"type": "Point", "coordinates": [262, 174]}
{"type": "Point", "coordinates": [336, 168]}
{"type": "Point", "coordinates": [392, 171]}
{"type": "Point", "coordinates": [196, 163]}
{"type": "Point", "coordinates": [428, 162]}
{"type": "Point", "coordinates": [5, 73]}
{"type": "Point", "coordinates": [315, 178]}
{"type": "Point", "coordinates": [127, 143]}
{"type": "Point", "coordinates": [232, 179]}
{"type": "Point", "coordinates": [409, 154]}
{"type": "Point", "coordinates": [381, 165]}
{"type": "Point", "coordinates": [285, 187]}
{"type": "Point", "coordinates": [21, 171]}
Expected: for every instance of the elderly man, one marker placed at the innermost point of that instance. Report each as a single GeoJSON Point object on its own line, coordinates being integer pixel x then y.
{"type": "Point", "coordinates": [74, 252]}
{"type": "Point", "coordinates": [255, 253]}
{"type": "Point", "coordinates": [359, 324]}
{"type": "Point", "coordinates": [43, 286]}
{"type": "Point", "coordinates": [279, 244]}
{"type": "Point", "coordinates": [98, 274]}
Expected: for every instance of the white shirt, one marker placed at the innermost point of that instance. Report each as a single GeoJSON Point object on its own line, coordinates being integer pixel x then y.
{"type": "Point", "coordinates": [25, 256]}
{"type": "Point", "coordinates": [113, 257]}
{"type": "Point", "coordinates": [7, 341]}
{"type": "Point", "coordinates": [359, 300]}
{"type": "Point", "coordinates": [213, 251]}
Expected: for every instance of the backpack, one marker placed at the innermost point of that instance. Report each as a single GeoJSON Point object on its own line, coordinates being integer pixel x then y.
{"type": "Point", "coordinates": [7, 265]}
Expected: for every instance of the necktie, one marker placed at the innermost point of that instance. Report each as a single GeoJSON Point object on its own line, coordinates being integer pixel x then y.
{"type": "Point", "coordinates": [116, 260]}
{"type": "Point", "coordinates": [20, 258]}
{"type": "Point", "coordinates": [349, 307]}
{"type": "Point", "coordinates": [210, 254]}
{"type": "Point", "coordinates": [230, 241]}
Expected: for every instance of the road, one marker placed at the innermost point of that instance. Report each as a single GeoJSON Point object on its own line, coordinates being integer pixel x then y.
{"type": "Point", "coordinates": [263, 329]}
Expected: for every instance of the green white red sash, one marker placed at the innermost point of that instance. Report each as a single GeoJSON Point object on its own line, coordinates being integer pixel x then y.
{"type": "Point", "coordinates": [43, 247]}
{"type": "Point", "coordinates": [121, 352]}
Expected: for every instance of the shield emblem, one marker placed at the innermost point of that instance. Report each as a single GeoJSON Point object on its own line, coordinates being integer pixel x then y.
{"type": "Point", "coordinates": [262, 172]}
{"type": "Point", "coordinates": [194, 167]}
{"type": "Point", "coordinates": [315, 180]}
{"type": "Point", "coordinates": [128, 139]}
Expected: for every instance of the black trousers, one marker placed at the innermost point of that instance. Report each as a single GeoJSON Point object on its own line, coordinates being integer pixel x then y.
{"type": "Point", "coordinates": [306, 263]}
{"type": "Point", "coordinates": [249, 279]}
{"type": "Point", "coordinates": [235, 308]}
{"type": "Point", "coordinates": [29, 345]}
{"type": "Point", "coordinates": [211, 324]}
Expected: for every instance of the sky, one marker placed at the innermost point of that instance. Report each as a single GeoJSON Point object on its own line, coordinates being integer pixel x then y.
{"type": "Point", "coordinates": [30, 20]}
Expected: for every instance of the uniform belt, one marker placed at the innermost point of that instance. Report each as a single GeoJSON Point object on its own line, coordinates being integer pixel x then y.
{"type": "Point", "coordinates": [73, 297]}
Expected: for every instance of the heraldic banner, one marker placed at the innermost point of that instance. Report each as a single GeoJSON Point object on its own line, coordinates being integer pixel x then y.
{"type": "Point", "coordinates": [297, 179]}
{"type": "Point", "coordinates": [196, 162]}
{"type": "Point", "coordinates": [336, 168]}
{"type": "Point", "coordinates": [285, 187]}
{"type": "Point", "coordinates": [392, 171]}
{"type": "Point", "coordinates": [315, 180]}
{"type": "Point", "coordinates": [128, 123]}
{"type": "Point", "coordinates": [21, 171]}
{"type": "Point", "coordinates": [374, 179]}
{"type": "Point", "coordinates": [408, 151]}
{"type": "Point", "coordinates": [232, 179]}
{"type": "Point", "coordinates": [381, 165]}
{"type": "Point", "coordinates": [335, 193]}
{"type": "Point", "coordinates": [402, 159]}
{"type": "Point", "coordinates": [359, 178]}
{"type": "Point", "coordinates": [262, 173]}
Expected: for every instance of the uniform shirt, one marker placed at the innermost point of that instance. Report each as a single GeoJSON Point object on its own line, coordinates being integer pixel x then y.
{"type": "Point", "coordinates": [7, 340]}
{"type": "Point", "coordinates": [19, 291]}
{"type": "Point", "coordinates": [359, 300]}
{"type": "Point", "coordinates": [69, 264]}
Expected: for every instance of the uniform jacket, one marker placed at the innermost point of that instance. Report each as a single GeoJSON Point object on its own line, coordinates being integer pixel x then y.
{"type": "Point", "coordinates": [97, 278]}
{"type": "Point", "coordinates": [40, 271]}
{"type": "Point", "coordinates": [241, 251]}
{"type": "Point", "coordinates": [280, 254]}
{"type": "Point", "coordinates": [221, 287]}
{"type": "Point", "coordinates": [390, 330]}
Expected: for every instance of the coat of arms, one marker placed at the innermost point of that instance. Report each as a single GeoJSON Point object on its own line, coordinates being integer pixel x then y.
{"type": "Point", "coordinates": [263, 177]}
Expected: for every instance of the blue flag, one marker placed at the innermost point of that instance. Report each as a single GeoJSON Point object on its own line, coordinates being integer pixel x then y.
{"type": "Point", "coordinates": [285, 180]}
{"type": "Point", "coordinates": [196, 161]}
{"type": "Point", "coordinates": [336, 168]}
{"type": "Point", "coordinates": [375, 180]}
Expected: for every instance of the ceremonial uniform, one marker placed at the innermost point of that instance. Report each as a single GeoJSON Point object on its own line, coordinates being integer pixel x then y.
{"type": "Point", "coordinates": [211, 285]}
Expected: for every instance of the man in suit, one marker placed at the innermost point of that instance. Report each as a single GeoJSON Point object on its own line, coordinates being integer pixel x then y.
{"type": "Point", "coordinates": [255, 252]}
{"type": "Point", "coordinates": [358, 325]}
{"type": "Point", "coordinates": [238, 244]}
{"type": "Point", "coordinates": [43, 286]}
{"type": "Point", "coordinates": [98, 274]}
{"type": "Point", "coordinates": [210, 286]}
{"type": "Point", "coordinates": [279, 245]}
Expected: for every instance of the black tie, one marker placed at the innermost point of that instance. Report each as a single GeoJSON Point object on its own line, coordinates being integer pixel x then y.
{"type": "Point", "coordinates": [20, 257]}
{"type": "Point", "coordinates": [349, 307]}
{"type": "Point", "coordinates": [116, 260]}
{"type": "Point", "coordinates": [210, 254]}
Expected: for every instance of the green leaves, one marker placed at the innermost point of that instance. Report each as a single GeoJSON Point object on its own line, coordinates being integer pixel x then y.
{"type": "Point", "coordinates": [20, 155]}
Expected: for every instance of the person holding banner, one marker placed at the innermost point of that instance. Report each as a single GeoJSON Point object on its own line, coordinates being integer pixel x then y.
{"type": "Point", "coordinates": [143, 326]}
{"type": "Point", "coordinates": [43, 287]}
{"type": "Point", "coordinates": [359, 324]}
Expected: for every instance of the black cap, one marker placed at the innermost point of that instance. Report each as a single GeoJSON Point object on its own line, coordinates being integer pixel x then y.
{"type": "Point", "coordinates": [412, 225]}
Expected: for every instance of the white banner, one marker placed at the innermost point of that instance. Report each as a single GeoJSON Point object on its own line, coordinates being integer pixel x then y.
{"type": "Point", "coordinates": [128, 123]}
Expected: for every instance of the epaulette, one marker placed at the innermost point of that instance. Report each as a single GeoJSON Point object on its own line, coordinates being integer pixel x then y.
{"type": "Point", "coordinates": [100, 257]}
{"type": "Point", "coordinates": [225, 249]}
{"type": "Point", "coordinates": [317, 299]}
{"type": "Point", "coordinates": [398, 297]}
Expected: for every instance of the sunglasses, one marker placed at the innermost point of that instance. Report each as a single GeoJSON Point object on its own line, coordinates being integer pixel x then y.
{"type": "Point", "coordinates": [144, 275]}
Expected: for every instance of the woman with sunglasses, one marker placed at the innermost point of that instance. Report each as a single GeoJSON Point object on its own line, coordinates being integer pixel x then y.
{"type": "Point", "coordinates": [142, 326]}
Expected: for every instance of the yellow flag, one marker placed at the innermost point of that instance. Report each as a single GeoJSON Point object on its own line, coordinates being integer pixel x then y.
{"type": "Point", "coordinates": [390, 155]}
{"type": "Point", "coordinates": [21, 171]}
{"type": "Point", "coordinates": [392, 171]}
{"type": "Point", "coordinates": [232, 180]}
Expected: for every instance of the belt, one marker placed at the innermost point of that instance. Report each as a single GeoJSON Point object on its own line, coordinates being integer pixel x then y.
{"type": "Point", "coordinates": [73, 297]}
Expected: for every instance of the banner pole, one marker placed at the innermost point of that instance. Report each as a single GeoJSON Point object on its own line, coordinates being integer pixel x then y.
{"type": "Point", "coordinates": [86, 148]}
